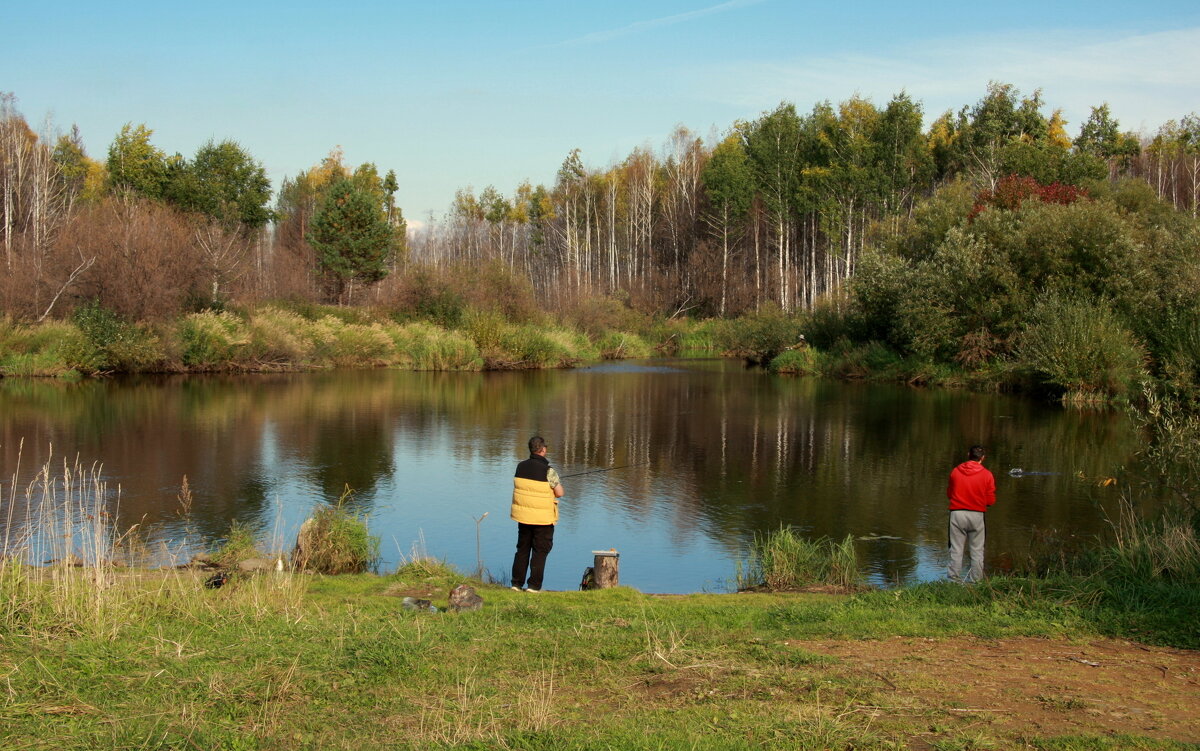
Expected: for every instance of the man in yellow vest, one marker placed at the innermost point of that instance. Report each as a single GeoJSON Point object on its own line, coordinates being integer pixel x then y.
{"type": "Point", "coordinates": [536, 490]}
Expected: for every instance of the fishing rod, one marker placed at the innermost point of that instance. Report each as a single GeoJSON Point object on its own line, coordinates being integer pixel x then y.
{"type": "Point", "coordinates": [606, 469]}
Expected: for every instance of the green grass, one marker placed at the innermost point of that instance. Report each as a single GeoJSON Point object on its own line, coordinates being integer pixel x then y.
{"type": "Point", "coordinates": [290, 661]}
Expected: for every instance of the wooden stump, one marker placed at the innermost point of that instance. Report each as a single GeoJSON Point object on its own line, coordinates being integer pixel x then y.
{"type": "Point", "coordinates": [605, 568]}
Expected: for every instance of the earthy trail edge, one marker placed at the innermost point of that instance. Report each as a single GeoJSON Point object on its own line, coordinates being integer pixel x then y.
{"type": "Point", "coordinates": [1044, 687]}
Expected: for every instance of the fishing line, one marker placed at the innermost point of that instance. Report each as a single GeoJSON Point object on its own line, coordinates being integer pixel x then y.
{"type": "Point", "coordinates": [606, 469]}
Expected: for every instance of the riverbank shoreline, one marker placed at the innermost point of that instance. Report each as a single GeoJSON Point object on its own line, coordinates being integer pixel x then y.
{"type": "Point", "coordinates": [279, 660]}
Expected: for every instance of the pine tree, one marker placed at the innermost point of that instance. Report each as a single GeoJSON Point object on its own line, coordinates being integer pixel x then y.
{"type": "Point", "coordinates": [353, 242]}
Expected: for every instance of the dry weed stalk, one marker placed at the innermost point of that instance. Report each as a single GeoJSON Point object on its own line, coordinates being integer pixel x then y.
{"type": "Point", "coordinates": [465, 718]}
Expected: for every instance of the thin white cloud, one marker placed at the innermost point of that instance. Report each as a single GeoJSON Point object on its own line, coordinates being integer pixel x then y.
{"type": "Point", "coordinates": [639, 27]}
{"type": "Point", "coordinates": [1146, 78]}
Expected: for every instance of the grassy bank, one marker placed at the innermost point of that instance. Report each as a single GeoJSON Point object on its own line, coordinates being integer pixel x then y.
{"type": "Point", "coordinates": [826, 342]}
{"type": "Point", "coordinates": [275, 338]}
{"type": "Point", "coordinates": [292, 661]}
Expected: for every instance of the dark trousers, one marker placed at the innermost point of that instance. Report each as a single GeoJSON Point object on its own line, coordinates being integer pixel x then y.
{"type": "Point", "coordinates": [535, 538]}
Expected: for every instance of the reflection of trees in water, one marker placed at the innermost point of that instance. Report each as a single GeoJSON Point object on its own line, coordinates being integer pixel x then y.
{"type": "Point", "coordinates": [750, 453]}
{"type": "Point", "coordinates": [727, 453]}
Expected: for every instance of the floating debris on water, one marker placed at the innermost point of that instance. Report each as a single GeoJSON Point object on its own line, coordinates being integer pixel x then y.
{"type": "Point", "coordinates": [1018, 472]}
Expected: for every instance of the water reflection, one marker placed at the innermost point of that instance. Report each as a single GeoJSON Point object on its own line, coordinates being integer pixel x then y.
{"type": "Point", "coordinates": [710, 455]}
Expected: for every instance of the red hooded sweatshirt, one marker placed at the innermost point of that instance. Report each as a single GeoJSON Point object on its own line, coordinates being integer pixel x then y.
{"type": "Point", "coordinates": [971, 487]}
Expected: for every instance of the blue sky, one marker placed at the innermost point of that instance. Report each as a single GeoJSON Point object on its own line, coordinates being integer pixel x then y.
{"type": "Point", "coordinates": [456, 94]}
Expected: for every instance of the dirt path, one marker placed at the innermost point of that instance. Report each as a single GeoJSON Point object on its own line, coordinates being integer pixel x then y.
{"type": "Point", "coordinates": [1040, 687]}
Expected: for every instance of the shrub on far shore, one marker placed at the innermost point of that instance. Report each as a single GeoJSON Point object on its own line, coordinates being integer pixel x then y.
{"type": "Point", "coordinates": [872, 359]}
{"type": "Point", "coordinates": [801, 361]}
{"type": "Point", "coordinates": [115, 344]}
{"type": "Point", "coordinates": [212, 341]}
{"type": "Point", "coordinates": [507, 346]}
{"type": "Point", "coordinates": [532, 347]}
{"type": "Point", "coordinates": [688, 335]}
{"type": "Point", "coordinates": [622, 345]}
{"type": "Point", "coordinates": [1082, 348]}
{"type": "Point", "coordinates": [340, 344]}
{"type": "Point", "coordinates": [53, 348]}
{"type": "Point", "coordinates": [423, 346]}
{"type": "Point", "coordinates": [279, 337]}
{"type": "Point", "coordinates": [759, 336]}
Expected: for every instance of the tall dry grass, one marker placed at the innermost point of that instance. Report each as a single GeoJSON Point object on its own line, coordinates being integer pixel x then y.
{"type": "Point", "coordinates": [67, 566]}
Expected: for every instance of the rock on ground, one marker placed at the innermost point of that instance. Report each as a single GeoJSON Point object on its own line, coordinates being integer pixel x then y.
{"type": "Point", "coordinates": [463, 597]}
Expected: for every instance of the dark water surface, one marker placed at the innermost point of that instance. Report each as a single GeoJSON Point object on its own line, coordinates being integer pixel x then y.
{"type": "Point", "coordinates": [721, 453]}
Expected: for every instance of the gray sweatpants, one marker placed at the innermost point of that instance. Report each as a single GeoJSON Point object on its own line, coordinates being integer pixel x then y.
{"type": "Point", "coordinates": [966, 531]}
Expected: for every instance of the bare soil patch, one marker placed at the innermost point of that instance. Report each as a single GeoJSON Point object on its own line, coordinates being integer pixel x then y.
{"type": "Point", "coordinates": [1026, 686]}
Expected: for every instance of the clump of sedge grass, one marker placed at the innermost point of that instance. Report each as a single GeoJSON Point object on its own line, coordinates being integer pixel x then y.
{"type": "Point", "coordinates": [335, 541]}
{"type": "Point", "coordinates": [783, 560]}
{"type": "Point", "coordinates": [424, 346]}
{"type": "Point", "coordinates": [240, 544]}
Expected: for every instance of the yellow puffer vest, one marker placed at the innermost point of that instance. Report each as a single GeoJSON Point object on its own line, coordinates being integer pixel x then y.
{"type": "Point", "coordinates": [533, 502]}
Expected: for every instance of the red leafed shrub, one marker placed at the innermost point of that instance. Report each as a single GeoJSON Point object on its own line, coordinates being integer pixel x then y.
{"type": "Point", "coordinates": [1014, 190]}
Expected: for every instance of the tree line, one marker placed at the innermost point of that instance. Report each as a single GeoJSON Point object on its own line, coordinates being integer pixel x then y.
{"type": "Point", "coordinates": [776, 211]}
{"type": "Point", "coordinates": [779, 209]}
{"type": "Point", "coordinates": [148, 235]}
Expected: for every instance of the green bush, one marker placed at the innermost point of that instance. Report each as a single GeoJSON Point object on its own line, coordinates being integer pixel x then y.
{"type": "Point", "coordinates": [832, 319]}
{"type": "Point", "coordinates": [576, 344]}
{"type": "Point", "coordinates": [212, 341]}
{"type": "Point", "coordinates": [802, 361]}
{"type": "Point", "coordinates": [672, 336]}
{"type": "Point", "coordinates": [870, 360]}
{"type": "Point", "coordinates": [486, 329]}
{"type": "Point", "coordinates": [507, 346]}
{"type": "Point", "coordinates": [696, 336]}
{"type": "Point", "coordinates": [1081, 347]}
{"type": "Point", "coordinates": [1176, 348]}
{"type": "Point", "coordinates": [759, 336]}
{"type": "Point", "coordinates": [115, 344]}
{"type": "Point", "coordinates": [439, 304]}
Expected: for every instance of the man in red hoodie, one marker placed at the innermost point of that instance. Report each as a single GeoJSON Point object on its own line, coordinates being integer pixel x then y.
{"type": "Point", "coordinates": [971, 490]}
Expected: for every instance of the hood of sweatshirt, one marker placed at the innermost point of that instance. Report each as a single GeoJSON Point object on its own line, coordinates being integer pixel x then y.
{"type": "Point", "coordinates": [969, 468]}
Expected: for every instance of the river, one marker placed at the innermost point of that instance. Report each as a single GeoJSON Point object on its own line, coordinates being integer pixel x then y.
{"type": "Point", "coordinates": [706, 454]}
